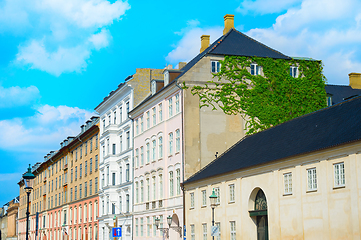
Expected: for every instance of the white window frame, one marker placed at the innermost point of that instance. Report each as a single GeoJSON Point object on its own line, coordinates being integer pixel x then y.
{"type": "Point", "coordinates": [191, 195]}
{"type": "Point", "coordinates": [170, 107]}
{"type": "Point", "coordinates": [339, 174]}
{"type": "Point", "coordinates": [217, 191]}
{"type": "Point", "coordinates": [215, 66]}
{"type": "Point", "coordinates": [204, 230]}
{"type": "Point", "coordinates": [193, 234]}
{"type": "Point", "coordinates": [287, 180]}
{"type": "Point", "coordinates": [255, 69]}
{"type": "Point", "coordinates": [232, 197]}
{"type": "Point", "coordinates": [311, 179]}
{"type": "Point", "coordinates": [170, 144]}
{"type": "Point", "coordinates": [204, 198]}
{"type": "Point", "coordinates": [233, 230]}
{"type": "Point", "coordinates": [177, 140]}
{"type": "Point", "coordinates": [294, 71]}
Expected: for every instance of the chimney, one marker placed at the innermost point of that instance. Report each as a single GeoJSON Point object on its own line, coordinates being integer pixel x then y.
{"type": "Point", "coordinates": [355, 80]}
{"type": "Point", "coordinates": [228, 23]}
{"type": "Point", "coordinates": [204, 42]}
{"type": "Point", "coordinates": [181, 65]}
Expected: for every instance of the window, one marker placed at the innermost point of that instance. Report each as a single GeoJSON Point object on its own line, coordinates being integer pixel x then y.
{"type": "Point", "coordinates": [255, 69]}
{"type": "Point", "coordinates": [294, 71]}
{"type": "Point", "coordinates": [136, 192]}
{"type": "Point", "coordinates": [204, 227]}
{"type": "Point", "coordinates": [154, 188]}
{"type": "Point", "coordinates": [142, 156]}
{"type": "Point", "coordinates": [108, 148]}
{"type": "Point", "coordinates": [121, 143]}
{"type": "Point", "coordinates": [217, 191]}
{"type": "Point", "coordinates": [127, 203]}
{"type": "Point", "coordinates": [170, 145]}
{"type": "Point", "coordinates": [154, 116]}
{"type": "Point", "coordinates": [76, 173]}
{"type": "Point", "coordinates": [141, 124]}
{"type": "Point", "coordinates": [127, 177]}
{"type": "Point", "coordinates": [96, 141]}
{"type": "Point", "coordinates": [192, 200]}
{"type": "Point", "coordinates": [311, 179]}
{"type": "Point", "coordinates": [80, 170]}
{"type": "Point", "coordinates": [127, 106]}
{"type": "Point", "coordinates": [177, 103]}
{"type": "Point", "coordinates": [160, 112]}
{"type": "Point", "coordinates": [96, 162]}
{"type": "Point", "coordinates": [160, 186]}
{"type": "Point", "coordinates": [231, 193]}
{"type": "Point", "coordinates": [218, 225]}
{"type": "Point", "coordinates": [96, 185]}
{"type": "Point", "coordinates": [153, 150]}
{"type": "Point", "coordinates": [136, 127]}
{"type": "Point", "coordinates": [178, 182]}
{"type": "Point", "coordinates": [215, 66]}
{"type": "Point", "coordinates": [80, 191]}
{"type": "Point", "coordinates": [121, 114]}
{"type": "Point", "coordinates": [177, 140]}
{"type": "Point", "coordinates": [137, 157]}
{"type": "Point", "coordinates": [154, 227]}
{"type": "Point", "coordinates": [154, 87]}
{"type": "Point", "coordinates": [115, 117]}
{"type": "Point", "coordinates": [339, 174]}
{"type": "Point", "coordinates": [120, 175]}
{"type": "Point", "coordinates": [141, 191]}
{"type": "Point", "coordinates": [128, 139]}
{"type": "Point", "coordinates": [113, 179]}
{"type": "Point", "coordinates": [160, 147]}
{"type": "Point", "coordinates": [91, 165]}
{"type": "Point", "coordinates": [90, 187]}
{"type": "Point", "coordinates": [148, 154]}
{"type": "Point", "coordinates": [75, 193]}
{"type": "Point", "coordinates": [114, 146]}
{"type": "Point", "coordinates": [193, 234]}
{"type": "Point", "coordinates": [148, 226]}
{"type": "Point", "coordinates": [113, 208]}
{"type": "Point", "coordinates": [148, 120]}
{"type": "Point", "coordinates": [170, 106]}
{"type": "Point", "coordinates": [287, 177]}
{"type": "Point", "coordinates": [148, 189]}
{"type": "Point", "coordinates": [233, 230]}
{"type": "Point", "coordinates": [204, 198]}
{"type": "Point", "coordinates": [171, 185]}
{"type": "Point", "coordinates": [141, 227]}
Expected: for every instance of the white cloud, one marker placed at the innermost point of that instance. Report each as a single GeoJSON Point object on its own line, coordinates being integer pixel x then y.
{"type": "Point", "coordinates": [265, 6]}
{"type": "Point", "coordinates": [17, 96]}
{"type": "Point", "coordinates": [68, 30]}
{"type": "Point", "coordinates": [41, 132]}
{"type": "Point", "coordinates": [189, 45]}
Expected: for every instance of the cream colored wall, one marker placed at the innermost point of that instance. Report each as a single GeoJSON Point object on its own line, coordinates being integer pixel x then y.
{"type": "Point", "coordinates": [328, 213]}
{"type": "Point", "coordinates": [206, 131]}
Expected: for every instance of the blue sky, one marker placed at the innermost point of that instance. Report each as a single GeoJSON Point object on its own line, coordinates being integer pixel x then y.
{"type": "Point", "coordinates": [60, 58]}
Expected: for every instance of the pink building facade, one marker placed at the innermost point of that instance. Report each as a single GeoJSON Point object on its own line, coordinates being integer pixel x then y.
{"type": "Point", "coordinates": [158, 169]}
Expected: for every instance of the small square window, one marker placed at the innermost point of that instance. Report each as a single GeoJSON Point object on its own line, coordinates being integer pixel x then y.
{"type": "Point", "coordinates": [215, 66]}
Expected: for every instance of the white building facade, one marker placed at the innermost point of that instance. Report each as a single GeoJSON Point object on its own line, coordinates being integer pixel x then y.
{"type": "Point", "coordinates": [115, 165]}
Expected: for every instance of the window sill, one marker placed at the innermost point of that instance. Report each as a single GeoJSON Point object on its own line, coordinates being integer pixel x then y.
{"type": "Point", "coordinates": [338, 187]}
{"type": "Point", "coordinates": [287, 194]}
{"type": "Point", "coordinates": [203, 206]}
{"type": "Point", "coordinates": [311, 190]}
{"type": "Point", "coordinates": [231, 202]}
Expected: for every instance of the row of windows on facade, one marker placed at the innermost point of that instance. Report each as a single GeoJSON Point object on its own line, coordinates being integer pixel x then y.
{"type": "Point", "coordinates": [85, 169]}
{"type": "Point", "coordinates": [139, 122]}
{"type": "Point", "coordinates": [151, 154]}
{"type": "Point", "coordinates": [85, 147]}
{"type": "Point", "coordinates": [151, 187]}
{"type": "Point", "coordinates": [113, 150]}
{"type": "Point", "coordinates": [339, 181]}
{"type": "Point", "coordinates": [116, 208]}
{"type": "Point", "coordinates": [110, 120]}
{"type": "Point", "coordinates": [255, 69]}
{"type": "Point", "coordinates": [205, 229]}
{"type": "Point", "coordinates": [113, 181]}
{"type": "Point", "coordinates": [150, 225]}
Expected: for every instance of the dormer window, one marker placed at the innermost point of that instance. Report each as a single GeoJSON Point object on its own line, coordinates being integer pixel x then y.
{"type": "Point", "coordinates": [294, 71]}
{"type": "Point", "coordinates": [215, 66]}
{"type": "Point", "coordinates": [255, 69]}
{"type": "Point", "coordinates": [166, 78]}
{"type": "Point", "coordinates": [153, 87]}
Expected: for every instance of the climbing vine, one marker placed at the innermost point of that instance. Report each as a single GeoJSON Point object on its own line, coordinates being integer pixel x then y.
{"type": "Point", "coordinates": [265, 100]}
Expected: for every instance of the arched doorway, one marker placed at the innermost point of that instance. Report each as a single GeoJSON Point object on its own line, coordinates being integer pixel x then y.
{"type": "Point", "coordinates": [175, 233]}
{"type": "Point", "coordinates": [260, 214]}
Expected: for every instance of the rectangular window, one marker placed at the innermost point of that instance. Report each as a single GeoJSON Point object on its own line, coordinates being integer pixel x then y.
{"type": "Point", "coordinates": [141, 156]}
{"type": "Point", "coordinates": [113, 179]}
{"type": "Point", "coordinates": [154, 188]}
{"type": "Point", "coordinates": [218, 225]}
{"type": "Point", "coordinates": [121, 175]}
{"type": "Point", "coordinates": [91, 187]}
{"type": "Point", "coordinates": [96, 185]}
{"type": "Point", "coordinates": [255, 69]}
{"type": "Point", "coordinates": [85, 189]}
{"type": "Point", "coordinates": [192, 200]}
{"type": "Point", "coordinates": [339, 169]}
{"type": "Point", "coordinates": [136, 227]}
{"type": "Point", "coordinates": [121, 114]}
{"type": "Point", "coordinates": [148, 120]}
{"type": "Point", "coordinates": [148, 153]}
{"type": "Point", "coordinates": [160, 186]}
{"type": "Point", "coordinates": [215, 66]}
{"type": "Point", "coordinates": [141, 191]}
{"type": "Point", "coordinates": [311, 179]}
{"type": "Point", "coordinates": [154, 116]}
{"type": "Point", "coordinates": [171, 185]}
{"type": "Point", "coordinates": [170, 145]}
{"type": "Point", "coordinates": [96, 162]}
{"type": "Point", "coordinates": [91, 165]}
{"type": "Point", "coordinates": [136, 127]}
{"type": "Point", "coordinates": [233, 230]}
{"type": "Point", "coordinates": [231, 193]}
{"type": "Point", "coordinates": [148, 226]}
{"type": "Point", "coordinates": [96, 141]}
{"type": "Point", "coordinates": [204, 228]}
{"type": "Point", "coordinates": [128, 139]}
{"type": "Point", "coordinates": [114, 146]}
{"type": "Point", "coordinates": [287, 177]}
{"type": "Point", "coordinates": [127, 106]}
{"type": "Point", "coordinates": [153, 150]}
{"type": "Point", "coordinates": [178, 182]}
{"type": "Point", "coordinates": [121, 143]}
{"type": "Point", "coordinates": [80, 170]}
{"type": "Point", "coordinates": [141, 227]}
{"type": "Point", "coordinates": [86, 168]}
{"type": "Point", "coordinates": [80, 195]}
{"type": "Point", "coordinates": [160, 147]}
{"type": "Point", "coordinates": [177, 103]}
{"type": "Point", "coordinates": [136, 192]}
{"type": "Point", "coordinates": [170, 105]}
{"type": "Point", "coordinates": [160, 112]}
{"type": "Point", "coordinates": [137, 157]}
{"type": "Point", "coordinates": [148, 189]}
{"type": "Point", "coordinates": [204, 198]}
{"type": "Point", "coordinates": [127, 173]}
{"type": "Point", "coordinates": [141, 124]}
{"type": "Point", "coordinates": [294, 71]}
{"type": "Point", "coordinates": [115, 117]}
{"type": "Point", "coordinates": [177, 140]}
{"type": "Point", "coordinates": [217, 191]}
{"type": "Point", "coordinates": [193, 232]}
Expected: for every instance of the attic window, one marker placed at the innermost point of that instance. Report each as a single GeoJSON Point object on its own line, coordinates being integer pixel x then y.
{"type": "Point", "coordinates": [255, 69]}
{"type": "Point", "coordinates": [154, 87]}
{"type": "Point", "coordinates": [166, 78]}
{"type": "Point", "coordinates": [215, 66]}
{"type": "Point", "coordinates": [294, 71]}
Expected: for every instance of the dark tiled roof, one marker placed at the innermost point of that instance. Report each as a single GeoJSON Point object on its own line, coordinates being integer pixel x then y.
{"type": "Point", "coordinates": [340, 93]}
{"type": "Point", "coordinates": [322, 129]}
{"type": "Point", "coordinates": [235, 43]}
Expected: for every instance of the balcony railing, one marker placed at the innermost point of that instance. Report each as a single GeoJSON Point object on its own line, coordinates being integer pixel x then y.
{"type": "Point", "coordinates": [160, 203]}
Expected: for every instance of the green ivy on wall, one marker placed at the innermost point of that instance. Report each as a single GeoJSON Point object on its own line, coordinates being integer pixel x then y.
{"type": "Point", "coordinates": [266, 100]}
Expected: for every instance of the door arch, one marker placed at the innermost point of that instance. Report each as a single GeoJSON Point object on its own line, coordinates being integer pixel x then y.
{"type": "Point", "coordinates": [259, 213]}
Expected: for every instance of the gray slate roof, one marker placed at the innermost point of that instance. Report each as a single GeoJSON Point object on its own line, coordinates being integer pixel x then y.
{"type": "Point", "coordinates": [340, 93]}
{"type": "Point", "coordinates": [326, 128]}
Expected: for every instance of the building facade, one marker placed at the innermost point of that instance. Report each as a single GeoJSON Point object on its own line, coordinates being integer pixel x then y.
{"type": "Point", "coordinates": [298, 180]}
{"type": "Point", "coordinates": [116, 156]}
{"type": "Point", "coordinates": [64, 200]}
{"type": "Point", "coordinates": [8, 220]}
